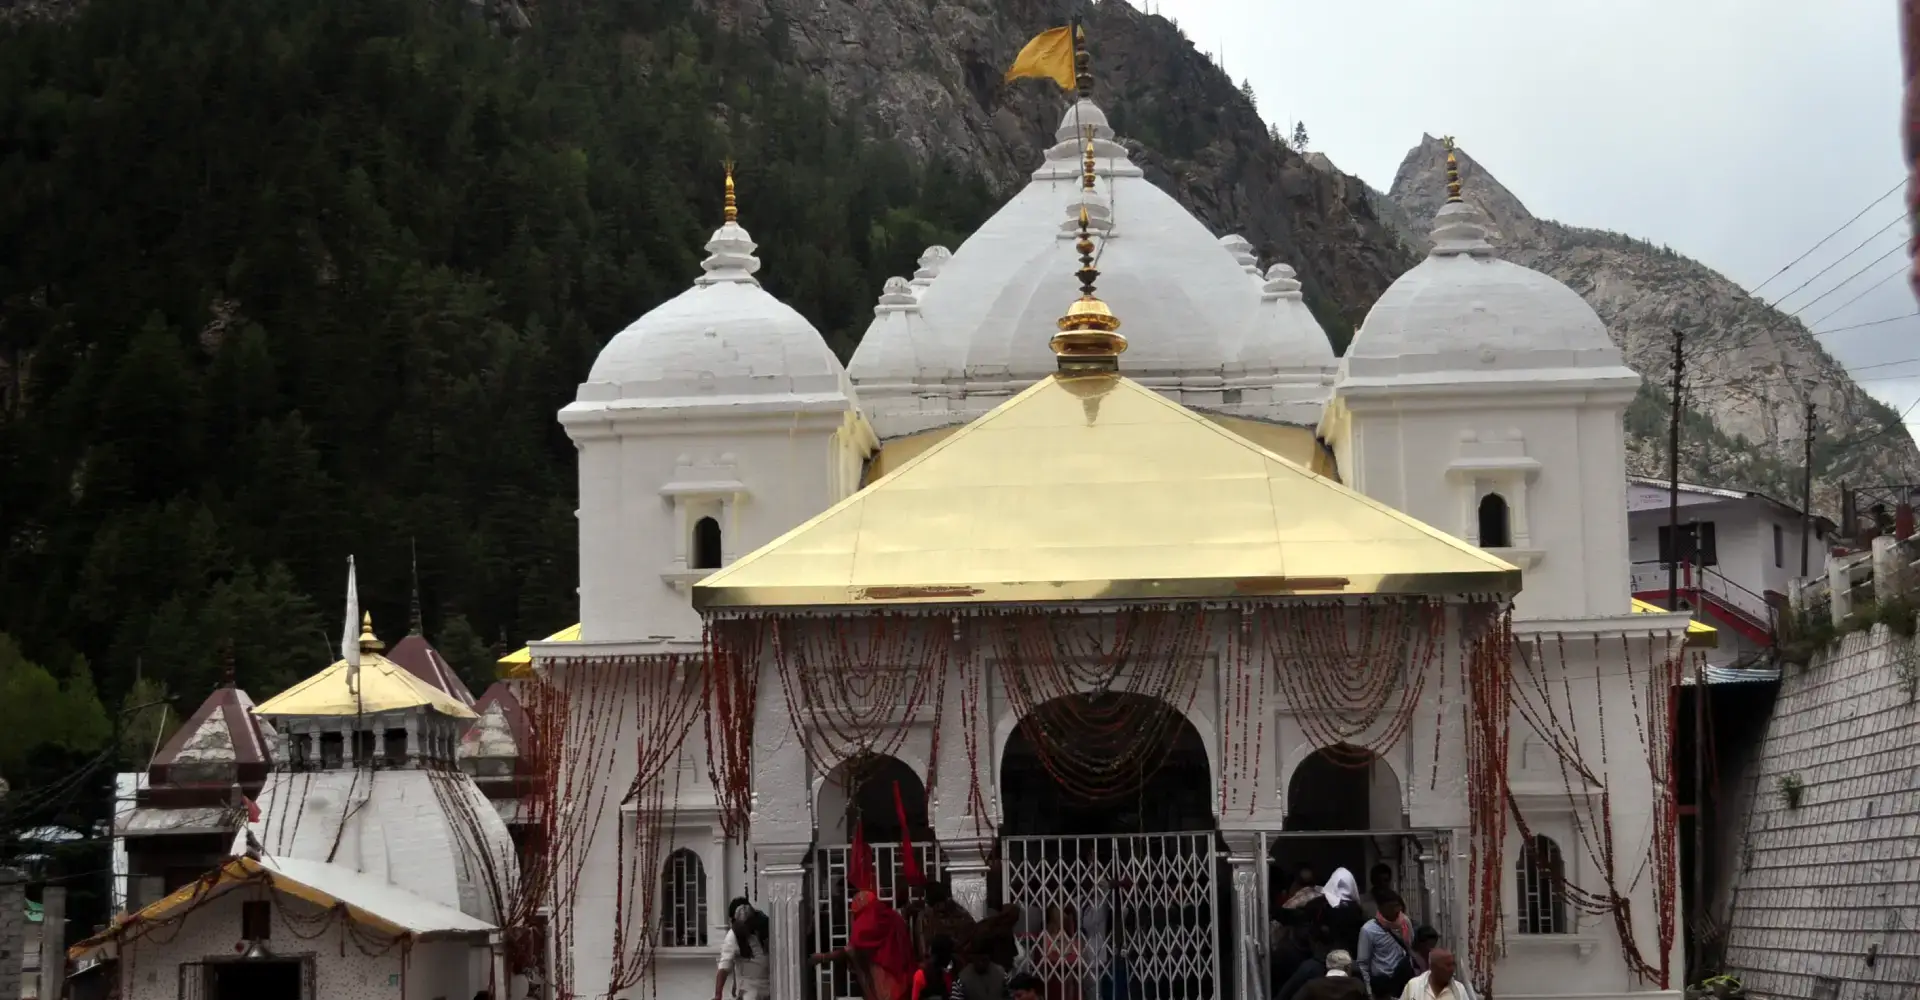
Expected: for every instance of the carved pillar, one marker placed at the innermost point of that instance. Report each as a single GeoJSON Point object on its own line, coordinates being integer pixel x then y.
{"type": "Point", "coordinates": [967, 872]}
{"type": "Point", "coordinates": [785, 885]}
{"type": "Point", "coordinates": [1249, 952]}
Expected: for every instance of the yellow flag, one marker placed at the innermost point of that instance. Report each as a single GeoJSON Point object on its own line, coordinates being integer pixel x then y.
{"type": "Point", "coordinates": [1048, 57]}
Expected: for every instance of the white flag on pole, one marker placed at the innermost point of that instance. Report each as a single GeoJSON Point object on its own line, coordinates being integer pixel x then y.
{"type": "Point", "coordinates": [350, 637]}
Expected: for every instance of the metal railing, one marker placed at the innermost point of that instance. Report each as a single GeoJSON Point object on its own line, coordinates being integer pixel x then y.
{"type": "Point", "coordinates": [1709, 582]}
{"type": "Point", "coordinates": [831, 919]}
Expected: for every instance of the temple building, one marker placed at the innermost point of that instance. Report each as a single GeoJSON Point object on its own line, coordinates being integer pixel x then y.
{"type": "Point", "coordinates": [1099, 587]}
{"type": "Point", "coordinates": [360, 856]}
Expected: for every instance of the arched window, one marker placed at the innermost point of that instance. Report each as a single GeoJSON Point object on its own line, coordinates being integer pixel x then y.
{"type": "Point", "coordinates": [1494, 531]}
{"type": "Point", "coordinates": [683, 901]}
{"type": "Point", "coordinates": [706, 544]}
{"type": "Point", "coordinates": [1542, 888]}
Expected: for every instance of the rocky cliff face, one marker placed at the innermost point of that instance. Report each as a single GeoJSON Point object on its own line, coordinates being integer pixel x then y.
{"type": "Point", "coordinates": [1748, 360]}
{"type": "Point", "coordinates": [929, 74]}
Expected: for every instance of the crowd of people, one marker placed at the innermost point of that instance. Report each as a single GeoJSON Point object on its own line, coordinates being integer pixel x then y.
{"type": "Point", "coordinates": [1327, 942]}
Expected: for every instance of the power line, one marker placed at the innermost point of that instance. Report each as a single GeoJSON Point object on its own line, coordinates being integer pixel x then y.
{"type": "Point", "coordinates": [1755, 291]}
{"type": "Point", "coordinates": [1863, 292]}
{"type": "Point", "coordinates": [1846, 282]}
{"type": "Point", "coordinates": [1862, 326]}
{"type": "Point", "coordinates": [1837, 261]}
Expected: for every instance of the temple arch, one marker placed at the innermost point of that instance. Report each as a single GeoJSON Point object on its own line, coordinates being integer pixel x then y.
{"type": "Point", "coordinates": [1339, 790]}
{"type": "Point", "coordinates": [860, 790]}
{"type": "Point", "coordinates": [1101, 764]}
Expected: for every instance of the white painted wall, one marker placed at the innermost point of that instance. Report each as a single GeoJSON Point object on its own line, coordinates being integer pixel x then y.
{"type": "Point", "coordinates": [150, 969]}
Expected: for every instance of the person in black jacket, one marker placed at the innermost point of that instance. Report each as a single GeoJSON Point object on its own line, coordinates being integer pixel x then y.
{"type": "Point", "coordinates": [1337, 984]}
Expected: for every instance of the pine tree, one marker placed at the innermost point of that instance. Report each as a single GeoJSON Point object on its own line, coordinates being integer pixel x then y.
{"type": "Point", "coordinates": [1299, 137]}
{"type": "Point", "coordinates": [1246, 91]}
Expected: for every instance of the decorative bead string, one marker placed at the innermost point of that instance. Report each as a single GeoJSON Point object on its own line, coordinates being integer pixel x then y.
{"type": "Point", "coordinates": [854, 685]}
{"type": "Point", "coordinates": [1098, 748]}
{"type": "Point", "coordinates": [1352, 669]}
{"type": "Point", "coordinates": [1593, 825]}
{"type": "Point", "coordinates": [734, 646]}
{"type": "Point", "coordinates": [1489, 683]}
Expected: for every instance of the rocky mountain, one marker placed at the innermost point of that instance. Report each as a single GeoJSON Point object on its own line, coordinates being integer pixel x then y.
{"type": "Point", "coordinates": [1745, 397]}
{"type": "Point", "coordinates": [929, 74]}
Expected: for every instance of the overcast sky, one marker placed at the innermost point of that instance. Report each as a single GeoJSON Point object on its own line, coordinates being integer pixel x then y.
{"type": "Point", "coordinates": [1738, 132]}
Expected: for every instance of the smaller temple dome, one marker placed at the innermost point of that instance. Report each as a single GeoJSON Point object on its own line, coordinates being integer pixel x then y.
{"type": "Point", "coordinates": [1287, 337]}
{"type": "Point", "coordinates": [1463, 309]}
{"type": "Point", "coordinates": [724, 338]}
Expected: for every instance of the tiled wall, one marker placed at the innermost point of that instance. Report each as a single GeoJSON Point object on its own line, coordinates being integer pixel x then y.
{"type": "Point", "coordinates": [1825, 901]}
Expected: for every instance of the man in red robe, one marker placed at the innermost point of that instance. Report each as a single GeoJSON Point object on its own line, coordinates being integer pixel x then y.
{"type": "Point", "coordinates": [879, 948]}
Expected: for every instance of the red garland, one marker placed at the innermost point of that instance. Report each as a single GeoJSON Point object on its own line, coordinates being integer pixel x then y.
{"type": "Point", "coordinates": [733, 698]}
{"type": "Point", "coordinates": [1489, 680]}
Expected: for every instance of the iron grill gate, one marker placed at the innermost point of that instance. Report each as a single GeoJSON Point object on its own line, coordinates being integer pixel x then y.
{"type": "Point", "coordinates": [830, 897]}
{"type": "Point", "coordinates": [1130, 917]}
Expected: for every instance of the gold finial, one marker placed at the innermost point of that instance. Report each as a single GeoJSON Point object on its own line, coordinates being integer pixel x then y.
{"type": "Point", "coordinates": [369, 641]}
{"type": "Point", "coordinates": [732, 211]}
{"type": "Point", "coordinates": [1082, 63]}
{"type": "Point", "coordinates": [1088, 339]}
{"type": "Point", "coordinates": [1453, 172]}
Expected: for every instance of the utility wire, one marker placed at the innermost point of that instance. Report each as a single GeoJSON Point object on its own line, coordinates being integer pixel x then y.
{"type": "Point", "coordinates": [1755, 291]}
{"type": "Point", "coordinates": [1849, 280]}
{"type": "Point", "coordinates": [1837, 261]}
{"type": "Point", "coordinates": [1890, 276]}
{"type": "Point", "coordinates": [1862, 326]}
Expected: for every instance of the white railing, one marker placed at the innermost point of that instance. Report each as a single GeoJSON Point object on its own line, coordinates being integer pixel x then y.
{"type": "Point", "coordinates": [1652, 576]}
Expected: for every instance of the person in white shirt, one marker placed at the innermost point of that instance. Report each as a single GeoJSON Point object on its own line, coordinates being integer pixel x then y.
{"type": "Point", "coordinates": [743, 954]}
{"type": "Point", "coordinates": [1437, 983]}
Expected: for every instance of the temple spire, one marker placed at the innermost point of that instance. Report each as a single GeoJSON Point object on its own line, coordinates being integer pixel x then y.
{"type": "Point", "coordinates": [1088, 339]}
{"type": "Point", "coordinates": [731, 213]}
{"type": "Point", "coordinates": [1453, 172]}
{"type": "Point", "coordinates": [414, 626]}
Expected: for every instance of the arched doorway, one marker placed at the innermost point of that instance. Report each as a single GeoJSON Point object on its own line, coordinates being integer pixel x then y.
{"type": "Point", "coordinates": [1111, 763]}
{"type": "Point", "coordinates": [859, 794]}
{"type": "Point", "coordinates": [1346, 790]}
{"type": "Point", "coordinates": [1108, 846]}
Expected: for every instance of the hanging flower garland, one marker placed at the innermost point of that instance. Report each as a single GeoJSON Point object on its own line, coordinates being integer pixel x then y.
{"type": "Point", "coordinates": [1555, 722]}
{"type": "Point", "coordinates": [1350, 669]}
{"type": "Point", "coordinates": [854, 686]}
{"type": "Point", "coordinates": [1485, 715]}
{"type": "Point", "coordinates": [1100, 747]}
{"type": "Point", "coordinates": [640, 851]}
{"type": "Point", "coordinates": [734, 646]}
{"type": "Point", "coordinates": [1243, 715]}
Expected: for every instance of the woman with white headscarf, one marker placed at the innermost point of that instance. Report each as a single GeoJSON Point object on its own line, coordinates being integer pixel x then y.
{"type": "Point", "coordinates": [1344, 917]}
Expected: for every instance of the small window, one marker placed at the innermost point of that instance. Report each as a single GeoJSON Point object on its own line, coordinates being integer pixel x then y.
{"type": "Point", "coordinates": [1542, 888]}
{"type": "Point", "coordinates": [396, 746]}
{"type": "Point", "coordinates": [683, 901]}
{"type": "Point", "coordinates": [256, 920]}
{"type": "Point", "coordinates": [1494, 530]}
{"type": "Point", "coordinates": [299, 751]}
{"type": "Point", "coordinates": [362, 747]}
{"type": "Point", "coordinates": [332, 750]}
{"type": "Point", "coordinates": [1696, 545]}
{"type": "Point", "coordinates": [1779, 547]}
{"type": "Point", "coordinates": [706, 544]}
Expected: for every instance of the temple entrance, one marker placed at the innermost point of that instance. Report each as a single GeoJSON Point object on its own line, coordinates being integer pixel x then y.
{"type": "Point", "coordinates": [1109, 849]}
{"type": "Point", "coordinates": [1343, 789]}
{"type": "Point", "coordinates": [860, 795]}
{"type": "Point", "coordinates": [1104, 764]}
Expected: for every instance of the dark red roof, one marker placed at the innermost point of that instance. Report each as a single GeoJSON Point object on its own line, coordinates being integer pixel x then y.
{"type": "Point", "coordinates": [500, 695]}
{"type": "Point", "coordinates": [220, 743]}
{"type": "Point", "coordinates": [425, 662]}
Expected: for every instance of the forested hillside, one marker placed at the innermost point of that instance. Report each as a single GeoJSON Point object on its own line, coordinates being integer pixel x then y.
{"type": "Point", "coordinates": [285, 281]}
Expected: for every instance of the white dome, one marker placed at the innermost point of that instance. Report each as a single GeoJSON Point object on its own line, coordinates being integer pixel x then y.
{"type": "Point", "coordinates": [889, 352]}
{"type": "Point", "coordinates": [725, 337]}
{"type": "Point", "coordinates": [1183, 300]}
{"type": "Point", "coordinates": [1287, 337]}
{"type": "Point", "coordinates": [1462, 309]}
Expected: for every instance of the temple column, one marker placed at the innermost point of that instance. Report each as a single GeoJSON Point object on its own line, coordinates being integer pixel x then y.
{"type": "Point", "coordinates": [783, 880]}
{"type": "Point", "coordinates": [1249, 921]}
{"type": "Point", "coordinates": [966, 860]}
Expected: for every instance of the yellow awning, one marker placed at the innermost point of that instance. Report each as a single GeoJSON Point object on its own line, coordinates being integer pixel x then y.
{"type": "Point", "coordinates": [1698, 635]}
{"type": "Point", "coordinates": [384, 686]}
{"type": "Point", "coordinates": [1097, 488]}
{"type": "Point", "coordinates": [519, 663]}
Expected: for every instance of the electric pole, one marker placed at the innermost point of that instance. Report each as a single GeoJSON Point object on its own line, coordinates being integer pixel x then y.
{"type": "Point", "coordinates": [1806, 486]}
{"type": "Point", "coordinates": [1673, 476]}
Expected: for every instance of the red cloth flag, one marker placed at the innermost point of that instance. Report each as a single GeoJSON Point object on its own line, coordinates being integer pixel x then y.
{"type": "Point", "coordinates": [910, 863]}
{"type": "Point", "coordinates": [860, 865]}
{"type": "Point", "coordinates": [253, 809]}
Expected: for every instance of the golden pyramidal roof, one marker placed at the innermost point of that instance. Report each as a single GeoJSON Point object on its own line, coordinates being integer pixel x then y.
{"type": "Point", "coordinates": [381, 685]}
{"type": "Point", "coordinates": [1094, 487]}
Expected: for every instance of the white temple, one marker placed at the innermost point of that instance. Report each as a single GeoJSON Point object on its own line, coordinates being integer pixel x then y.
{"type": "Point", "coordinates": [1129, 631]}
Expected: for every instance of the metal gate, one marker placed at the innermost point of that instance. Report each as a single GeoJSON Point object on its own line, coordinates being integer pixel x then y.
{"type": "Point", "coordinates": [193, 981]}
{"type": "Point", "coordinates": [830, 897]}
{"type": "Point", "coordinates": [1129, 917]}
